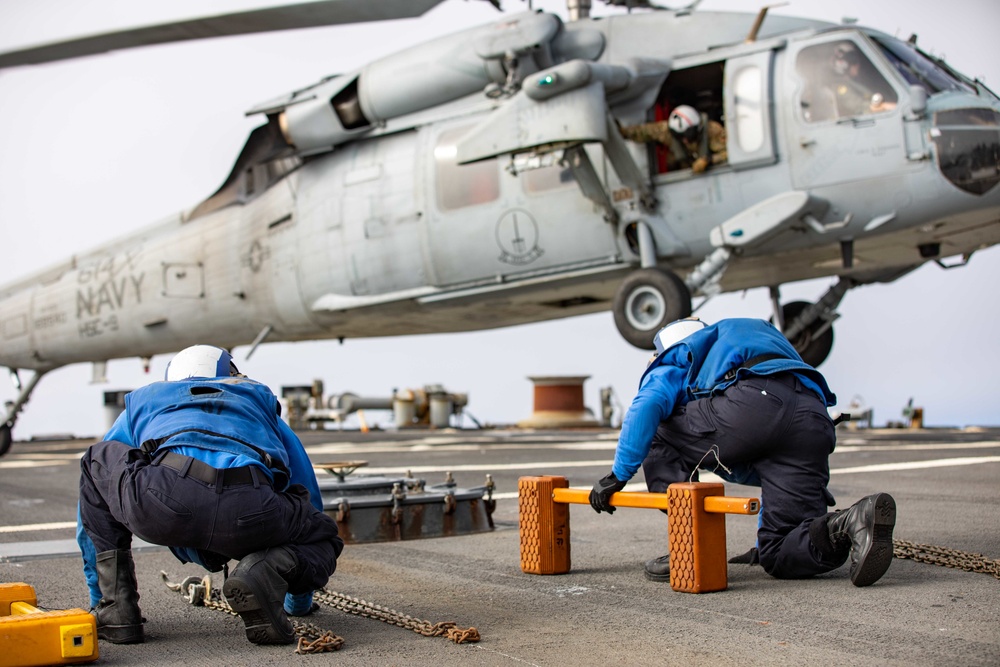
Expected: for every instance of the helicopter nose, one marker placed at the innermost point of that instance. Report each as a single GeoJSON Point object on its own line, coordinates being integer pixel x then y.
{"type": "Point", "coordinates": [968, 147]}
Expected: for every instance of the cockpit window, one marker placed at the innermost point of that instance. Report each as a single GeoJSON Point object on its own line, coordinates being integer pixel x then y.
{"type": "Point", "coordinates": [841, 82]}
{"type": "Point", "coordinates": [919, 69]}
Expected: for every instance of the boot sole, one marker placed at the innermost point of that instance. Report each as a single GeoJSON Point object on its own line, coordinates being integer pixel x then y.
{"type": "Point", "coordinates": [261, 628]}
{"type": "Point", "coordinates": [878, 558]}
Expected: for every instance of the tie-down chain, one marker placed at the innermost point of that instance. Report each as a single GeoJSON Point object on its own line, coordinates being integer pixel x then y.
{"type": "Point", "coordinates": [313, 639]}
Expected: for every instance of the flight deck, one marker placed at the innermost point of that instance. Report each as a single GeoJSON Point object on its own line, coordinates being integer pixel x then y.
{"type": "Point", "coordinates": [946, 483]}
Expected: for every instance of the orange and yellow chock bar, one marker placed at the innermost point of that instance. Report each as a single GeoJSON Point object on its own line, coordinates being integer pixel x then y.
{"type": "Point", "coordinates": [30, 636]}
{"type": "Point", "coordinates": [696, 527]}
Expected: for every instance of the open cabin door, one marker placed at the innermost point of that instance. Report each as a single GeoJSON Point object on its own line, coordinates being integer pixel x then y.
{"type": "Point", "coordinates": [748, 110]}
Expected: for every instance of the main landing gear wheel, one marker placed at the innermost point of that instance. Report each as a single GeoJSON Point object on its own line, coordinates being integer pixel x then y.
{"type": "Point", "coordinates": [814, 349]}
{"type": "Point", "coordinates": [6, 438]}
{"type": "Point", "coordinates": [646, 301]}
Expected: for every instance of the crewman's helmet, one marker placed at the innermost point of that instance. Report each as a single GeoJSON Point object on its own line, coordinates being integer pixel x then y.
{"type": "Point", "coordinates": [201, 361]}
{"type": "Point", "coordinates": [845, 55]}
{"type": "Point", "coordinates": [675, 332]}
{"type": "Point", "coordinates": [684, 121]}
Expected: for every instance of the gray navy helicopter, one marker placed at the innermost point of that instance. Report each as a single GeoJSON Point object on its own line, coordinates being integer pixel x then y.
{"type": "Point", "coordinates": [484, 179]}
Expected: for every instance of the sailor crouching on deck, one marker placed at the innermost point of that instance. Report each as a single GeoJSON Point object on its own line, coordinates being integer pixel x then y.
{"type": "Point", "coordinates": [202, 463]}
{"type": "Point", "coordinates": [737, 399]}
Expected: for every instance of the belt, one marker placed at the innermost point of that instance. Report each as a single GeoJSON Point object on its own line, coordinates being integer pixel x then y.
{"type": "Point", "coordinates": [206, 473]}
{"type": "Point", "coordinates": [751, 362]}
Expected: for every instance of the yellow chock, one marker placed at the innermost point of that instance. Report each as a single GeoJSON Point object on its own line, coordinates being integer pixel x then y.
{"type": "Point", "coordinates": [30, 636]}
{"type": "Point", "coordinates": [696, 527]}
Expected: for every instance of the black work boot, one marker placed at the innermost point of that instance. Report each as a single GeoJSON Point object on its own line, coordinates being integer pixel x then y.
{"type": "Point", "coordinates": [119, 619]}
{"type": "Point", "coordinates": [867, 527]}
{"type": "Point", "coordinates": [256, 591]}
{"type": "Point", "coordinates": [658, 569]}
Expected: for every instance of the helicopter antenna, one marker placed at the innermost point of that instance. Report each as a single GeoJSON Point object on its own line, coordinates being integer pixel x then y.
{"type": "Point", "coordinates": [752, 36]}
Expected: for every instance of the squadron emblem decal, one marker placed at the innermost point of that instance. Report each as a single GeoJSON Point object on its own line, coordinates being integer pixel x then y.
{"type": "Point", "coordinates": [256, 256]}
{"type": "Point", "coordinates": [517, 236]}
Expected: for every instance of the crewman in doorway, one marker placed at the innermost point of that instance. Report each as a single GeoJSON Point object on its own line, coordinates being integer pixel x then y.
{"type": "Point", "coordinates": [693, 140]}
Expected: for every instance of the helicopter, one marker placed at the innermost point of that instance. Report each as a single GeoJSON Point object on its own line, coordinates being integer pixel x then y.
{"type": "Point", "coordinates": [481, 180]}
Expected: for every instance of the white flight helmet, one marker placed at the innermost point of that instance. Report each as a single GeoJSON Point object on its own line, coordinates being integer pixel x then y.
{"type": "Point", "coordinates": [201, 361]}
{"type": "Point", "coordinates": [684, 121]}
{"type": "Point", "coordinates": [675, 332]}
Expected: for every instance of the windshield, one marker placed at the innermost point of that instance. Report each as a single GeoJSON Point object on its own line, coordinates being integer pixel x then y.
{"type": "Point", "coordinates": [920, 69]}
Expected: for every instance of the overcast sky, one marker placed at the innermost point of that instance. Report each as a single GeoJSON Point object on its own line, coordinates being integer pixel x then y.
{"type": "Point", "coordinates": [94, 148]}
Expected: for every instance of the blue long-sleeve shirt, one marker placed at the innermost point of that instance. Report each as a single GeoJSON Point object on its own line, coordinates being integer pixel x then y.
{"type": "Point", "coordinates": [695, 368]}
{"type": "Point", "coordinates": [224, 422]}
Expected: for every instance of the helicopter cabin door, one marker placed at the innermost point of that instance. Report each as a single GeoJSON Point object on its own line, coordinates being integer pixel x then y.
{"type": "Point", "coordinates": [844, 122]}
{"type": "Point", "coordinates": [486, 226]}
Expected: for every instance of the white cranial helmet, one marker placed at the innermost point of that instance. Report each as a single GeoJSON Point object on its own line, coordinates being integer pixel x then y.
{"type": "Point", "coordinates": [201, 361]}
{"type": "Point", "coordinates": [675, 332]}
{"type": "Point", "coordinates": [684, 121]}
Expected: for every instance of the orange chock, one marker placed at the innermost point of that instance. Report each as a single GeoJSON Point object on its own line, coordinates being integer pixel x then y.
{"type": "Point", "coordinates": [544, 525]}
{"type": "Point", "coordinates": [696, 527]}
{"type": "Point", "coordinates": [697, 539]}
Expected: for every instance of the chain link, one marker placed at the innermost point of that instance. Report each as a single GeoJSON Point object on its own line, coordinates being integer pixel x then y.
{"type": "Point", "coordinates": [200, 593]}
{"type": "Point", "coordinates": [312, 638]}
{"type": "Point", "coordinates": [962, 560]}
{"type": "Point", "coordinates": [359, 607]}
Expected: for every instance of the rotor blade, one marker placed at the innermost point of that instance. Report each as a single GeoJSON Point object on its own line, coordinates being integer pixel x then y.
{"type": "Point", "coordinates": [288, 17]}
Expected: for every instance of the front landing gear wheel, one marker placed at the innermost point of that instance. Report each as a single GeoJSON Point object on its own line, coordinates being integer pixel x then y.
{"type": "Point", "coordinates": [646, 301]}
{"type": "Point", "coordinates": [6, 438]}
{"type": "Point", "coordinates": [813, 348]}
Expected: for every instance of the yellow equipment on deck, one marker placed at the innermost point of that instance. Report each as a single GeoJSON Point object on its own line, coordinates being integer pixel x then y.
{"type": "Point", "coordinates": [30, 636]}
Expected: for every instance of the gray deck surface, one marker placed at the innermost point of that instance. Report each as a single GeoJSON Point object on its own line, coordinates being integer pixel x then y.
{"type": "Point", "coordinates": [946, 484]}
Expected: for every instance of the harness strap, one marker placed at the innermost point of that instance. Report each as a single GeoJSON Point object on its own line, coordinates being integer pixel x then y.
{"type": "Point", "coordinates": [750, 363]}
{"type": "Point", "coordinates": [151, 445]}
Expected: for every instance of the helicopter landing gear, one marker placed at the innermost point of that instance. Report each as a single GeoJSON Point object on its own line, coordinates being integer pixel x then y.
{"type": "Point", "coordinates": [6, 438]}
{"type": "Point", "coordinates": [13, 408]}
{"type": "Point", "coordinates": [648, 300]}
{"type": "Point", "coordinates": [809, 326]}
{"type": "Point", "coordinates": [814, 342]}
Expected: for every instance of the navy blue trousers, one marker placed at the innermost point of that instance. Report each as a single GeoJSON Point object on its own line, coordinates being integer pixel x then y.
{"type": "Point", "coordinates": [772, 428]}
{"type": "Point", "coordinates": [123, 493]}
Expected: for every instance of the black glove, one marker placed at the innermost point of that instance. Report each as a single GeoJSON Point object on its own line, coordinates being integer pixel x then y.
{"type": "Point", "coordinates": [601, 493]}
{"type": "Point", "coordinates": [751, 557]}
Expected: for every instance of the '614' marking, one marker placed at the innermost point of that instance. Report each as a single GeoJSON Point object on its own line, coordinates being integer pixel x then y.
{"type": "Point", "coordinates": [111, 295]}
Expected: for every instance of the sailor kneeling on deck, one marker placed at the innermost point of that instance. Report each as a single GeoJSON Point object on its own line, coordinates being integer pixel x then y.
{"type": "Point", "coordinates": [202, 463]}
{"type": "Point", "coordinates": [735, 398]}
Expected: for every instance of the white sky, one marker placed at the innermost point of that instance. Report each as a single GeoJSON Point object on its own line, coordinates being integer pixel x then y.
{"type": "Point", "coordinates": [93, 148]}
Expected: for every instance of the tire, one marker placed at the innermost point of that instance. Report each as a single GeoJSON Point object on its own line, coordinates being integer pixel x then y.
{"type": "Point", "coordinates": [646, 301]}
{"type": "Point", "coordinates": [6, 438]}
{"type": "Point", "coordinates": [813, 349]}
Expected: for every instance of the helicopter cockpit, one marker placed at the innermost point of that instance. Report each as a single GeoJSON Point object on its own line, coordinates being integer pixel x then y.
{"type": "Point", "coordinates": [967, 139]}
{"type": "Point", "coordinates": [858, 75]}
{"type": "Point", "coordinates": [841, 82]}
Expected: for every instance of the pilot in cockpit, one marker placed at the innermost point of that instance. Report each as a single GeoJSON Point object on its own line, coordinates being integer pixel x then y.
{"type": "Point", "coordinates": [853, 96]}
{"type": "Point", "coordinates": [842, 85]}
